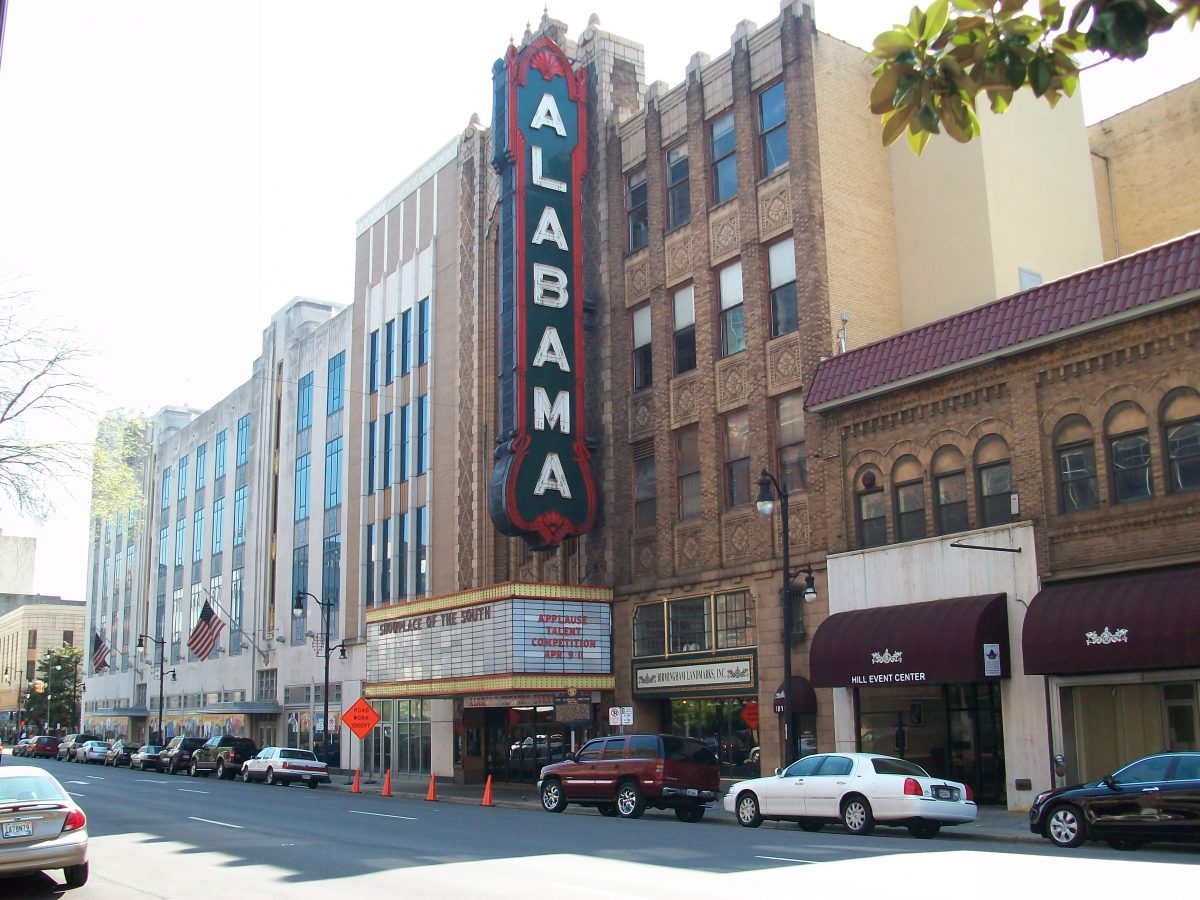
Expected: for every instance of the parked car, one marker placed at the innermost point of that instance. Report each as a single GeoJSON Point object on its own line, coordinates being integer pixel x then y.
{"type": "Point", "coordinates": [69, 744]}
{"type": "Point", "coordinates": [1155, 798]}
{"type": "Point", "coordinates": [91, 752]}
{"type": "Point", "coordinates": [223, 754]}
{"type": "Point", "coordinates": [857, 789]}
{"type": "Point", "coordinates": [177, 755]}
{"type": "Point", "coordinates": [623, 774]}
{"type": "Point", "coordinates": [21, 746]}
{"type": "Point", "coordinates": [285, 765]}
{"type": "Point", "coordinates": [44, 746]}
{"type": "Point", "coordinates": [120, 754]}
{"type": "Point", "coordinates": [41, 827]}
{"type": "Point", "coordinates": [145, 757]}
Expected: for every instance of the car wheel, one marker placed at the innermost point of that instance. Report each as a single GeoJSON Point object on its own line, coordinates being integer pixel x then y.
{"type": "Point", "coordinates": [553, 798]}
{"type": "Point", "coordinates": [689, 813]}
{"type": "Point", "coordinates": [245, 775]}
{"type": "Point", "coordinates": [193, 771]}
{"type": "Point", "coordinates": [172, 768]}
{"type": "Point", "coordinates": [271, 777]}
{"type": "Point", "coordinates": [1125, 843]}
{"type": "Point", "coordinates": [609, 810]}
{"type": "Point", "coordinates": [811, 826]}
{"type": "Point", "coordinates": [747, 811]}
{"type": "Point", "coordinates": [754, 755]}
{"type": "Point", "coordinates": [630, 802]}
{"type": "Point", "coordinates": [857, 815]}
{"type": "Point", "coordinates": [312, 785]}
{"type": "Point", "coordinates": [76, 876]}
{"type": "Point", "coordinates": [1066, 827]}
{"type": "Point", "coordinates": [220, 768]}
{"type": "Point", "coordinates": [925, 830]}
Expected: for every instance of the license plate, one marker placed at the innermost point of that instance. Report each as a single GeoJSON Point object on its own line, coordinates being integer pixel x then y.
{"type": "Point", "coordinates": [943, 793]}
{"type": "Point", "coordinates": [692, 792]}
{"type": "Point", "coordinates": [306, 777]}
{"type": "Point", "coordinates": [18, 829]}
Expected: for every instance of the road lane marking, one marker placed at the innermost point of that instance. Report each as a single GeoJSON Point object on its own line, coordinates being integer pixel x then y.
{"type": "Point", "coordinates": [215, 822]}
{"type": "Point", "coordinates": [152, 781]}
{"type": "Point", "coordinates": [382, 815]}
{"type": "Point", "coordinates": [88, 783]}
{"type": "Point", "coordinates": [787, 859]}
{"type": "Point", "coordinates": [192, 791]}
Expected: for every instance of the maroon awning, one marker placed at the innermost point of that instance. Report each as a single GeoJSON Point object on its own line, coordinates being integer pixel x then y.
{"type": "Point", "coordinates": [1117, 623]}
{"type": "Point", "coordinates": [936, 642]}
{"type": "Point", "coordinates": [804, 698]}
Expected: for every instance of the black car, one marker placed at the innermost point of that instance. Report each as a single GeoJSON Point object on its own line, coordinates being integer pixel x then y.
{"type": "Point", "coordinates": [119, 753]}
{"type": "Point", "coordinates": [1156, 798]}
{"type": "Point", "coordinates": [177, 755]}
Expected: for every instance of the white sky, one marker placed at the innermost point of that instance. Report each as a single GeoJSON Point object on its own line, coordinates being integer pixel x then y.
{"type": "Point", "coordinates": [172, 173]}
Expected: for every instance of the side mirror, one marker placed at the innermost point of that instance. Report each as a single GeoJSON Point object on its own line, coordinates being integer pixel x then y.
{"type": "Point", "coordinates": [1108, 782]}
{"type": "Point", "coordinates": [778, 771]}
{"type": "Point", "coordinates": [1060, 765]}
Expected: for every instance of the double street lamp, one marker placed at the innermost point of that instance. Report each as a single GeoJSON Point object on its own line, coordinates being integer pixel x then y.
{"type": "Point", "coordinates": [766, 506]}
{"type": "Point", "coordinates": [326, 650]}
{"type": "Point", "coordinates": [162, 674]}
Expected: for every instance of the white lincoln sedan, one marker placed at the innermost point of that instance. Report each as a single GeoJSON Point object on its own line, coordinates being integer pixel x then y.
{"type": "Point", "coordinates": [859, 790]}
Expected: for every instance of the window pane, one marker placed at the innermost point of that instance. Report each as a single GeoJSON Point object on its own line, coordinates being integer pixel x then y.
{"type": "Point", "coordinates": [735, 620]}
{"type": "Point", "coordinates": [995, 490]}
{"type": "Point", "coordinates": [648, 630]}
{"type": "Point", "coordinates": [952, 503]}
{"type": "Point", "coordinates": [871, 519]}
{"type": "Point", "coordinates": [1077, 479]}
{"type": "Point", "coordinates": [784, 316]}
{"type": "Point", "coordinates": [910, 511]}
{"type": "Point", "coordinates": [1183, 449]}
{"type": "Point", "coordinates": [722, 136]}
{"type": "Point", "coordinates": [688, 624]}
{"type": "Point", "coordinates": [781, 257]}
{"type": "Point", "coordinates": [636, 196]}
{"type": "Point", "coordinates": [641, 326]}
{"type": "Point", "coordinates": [731, 285]}
{"type": "Point", "coordinates": [1131, 468]}
{"type": "Point", "coordinates": [685, 350]}
{"type": "Point", "coordinates": [733, 331]}
{"type": "Point", "coordinates": [689, 496]}
{"type": "Point", "coordinates": [685, 307]}
{"type": "Point", "coordinates": [645, 507]}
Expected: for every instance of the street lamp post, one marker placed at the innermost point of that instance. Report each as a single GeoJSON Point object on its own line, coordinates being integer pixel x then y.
{"type": "Point", "coordinates": [162, 674]}
{"type": "Point", "coordinates": [326, 650]}
{"type": "Point", "coordinates": [766, 506]}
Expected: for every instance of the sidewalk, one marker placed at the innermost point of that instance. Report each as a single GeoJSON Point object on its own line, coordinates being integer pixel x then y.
{"type": "Point", "coordinates": [992, 824]}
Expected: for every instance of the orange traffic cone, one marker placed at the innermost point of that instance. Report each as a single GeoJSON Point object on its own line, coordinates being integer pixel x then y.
{"type": "Point", "coordinates": [487, 793]}
{"type": "Point", "coordinates": [354, 787]}
{"type": "Point", "coordinates": [431, 794]}
{"type": "Point", "coordinates": [387, 784]}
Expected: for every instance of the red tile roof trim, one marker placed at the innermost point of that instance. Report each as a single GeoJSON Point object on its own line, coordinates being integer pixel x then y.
{"type": "Point", "coordinates": [1127, 287]}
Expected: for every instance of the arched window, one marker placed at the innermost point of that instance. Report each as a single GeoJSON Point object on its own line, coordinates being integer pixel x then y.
{"type": "Point", "coordinates": [950, 490]}
{"type": "Point", "coordinates": [908, 480]}
{"type": "Point", "coordinates": [1075, 455]}
{"type": "Point", "coordinates": [1181, 426]}
{"type": "Point", "coordinates": [993, 478]}
{"type": "Point", "coordinates": [870, 508]}
{"type": "Point", "coordinates": [1127, 440]}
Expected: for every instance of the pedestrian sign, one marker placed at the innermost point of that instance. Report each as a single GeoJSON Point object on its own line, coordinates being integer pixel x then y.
{"type": "Point", "coordinates": [361, 717]}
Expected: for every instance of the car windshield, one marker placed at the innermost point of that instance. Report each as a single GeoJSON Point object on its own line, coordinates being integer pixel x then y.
{"type": "Point", "coordinates": [887, 765]}
{"type": "Point", "coordinates": [19, 788]}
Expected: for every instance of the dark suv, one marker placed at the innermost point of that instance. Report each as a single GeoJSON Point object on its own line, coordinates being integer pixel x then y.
{"type": "Point", "coordinates": [177, 755]}
{"type": "Point", "coordinates": [223, 754]}
{"type": "Point", "coordinates": [623, 774]}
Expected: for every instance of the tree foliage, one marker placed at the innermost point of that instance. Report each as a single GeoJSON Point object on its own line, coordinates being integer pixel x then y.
{"type": "Point", "coordinates": [56, 690]}
{"type": "Point", "coordinates": [933, 67]}
{"type": "Point", "coordinates": [117, 460]}
{"type": "Point", "coordinates": [39, 390]}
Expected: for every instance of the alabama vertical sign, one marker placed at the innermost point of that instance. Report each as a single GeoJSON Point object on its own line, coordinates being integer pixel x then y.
{"type": "Point", "coordinates": [541, 486]}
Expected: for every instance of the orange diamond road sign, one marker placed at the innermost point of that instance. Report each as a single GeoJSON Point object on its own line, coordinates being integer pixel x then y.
{"type": "Point", "coordinates": [361, 717]}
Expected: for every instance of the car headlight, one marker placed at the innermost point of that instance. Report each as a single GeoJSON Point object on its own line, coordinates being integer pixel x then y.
{"type": "Point", "coordinates": [1041, 798]}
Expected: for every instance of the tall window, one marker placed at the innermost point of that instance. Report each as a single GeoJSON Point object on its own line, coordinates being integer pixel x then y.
{"type": "Point", "coordinates": [304, 394]}
{"type": "Point", "coordinates": [303, 479]}
{"type": "Point", "coordinates": [871, 509]}
{"type": "Point", "coordinates": [402, 556]}
{"type": "Point", "coordinates": [679, 198]}
{"type": "Point", "coordinates": [781, 260]}
{"type": "Point", "coordinates": [908, 478]}
{"type": "Point", "coordinates": [374, 361]}
{"type": "Point", "coordinates": [1181, 423]}
{"type": "Point", "coordinates": [772, 129]}
{"type": "Point", "coordinates": [176, 623]}
{"type": "Point", "coordinates": [369, 546]}
{"type": "Point", "coordinates": [1128, 438]}
{"type": "Point", "coordinates": [789, 432]}
{"type": "Point", "coordinates": [372, 443]}
{"type": "Point", "coordinates": [421, 539]}
{"type": "Point", "coordinates": [218, 526]}
{"type": "Point", "coordinates": [198, 534]}
{"type": "Point", "coordinates": [950, 490]}
{"type": "Point", "coordinates": [237, 603]}
{"type": "Point", "coordinates": [183, 477]}
{"type": "Point", "coordinates": [219, 453]}
{"type": "Point", "coordinates": [724, 158]}
{"type": "Point", "coordinates": [649, 630]}
{"type": "Point", "coordinates": [333, 473]}
{"type": "Point", "coordinates": [688, 624]}
{"type": "Point", "coordinates": [180, 539]}
{"type": "Point", "coordinates": [388, 440]}
{"type": "Point", "coordinates": [166, 488]}
{"type": "Point", "coordinates": [239, 516]}
{"type": "Point", "coordinates": [645, 491]}
{"type": "Point", "coordinates": [735, 620]}
{"type": "Point", "coordinates": [402, 444]}
{"type": "Point", "coordinates": [1076, 457]}
{"type": "Point", "coordinates": [406, 342]}
{"type": "Point", "coordinates": [385, 563]}
{"type": "Point", "coordinates": [243, 440]}
{"type": "Point", "coordinates": [201, 464]}
{"type": "Point", "coordinates": [642, 362]}
{"type": "Point", "coordinates": [194, 614]}
{"type": "Point", "coordinates": [685, 329]}
{"type": "Point", "coordinates": [423, 332]}
{"type": "Point", "coordinates": [687, 470]}
{"type": "Point", "coordinates": [389, 369]}
{"type": "Point", "coordinates": [336, 383]}
{"type": "Point", "coordinates": [422, 434]}
{"type": "Point", "coordinates": [737, 458]}
{"type": "Point", "coordinates": [733, 313]}
{"type": "Point", "coordinates": [299, 583]}
{"type": "Point", "coordinates": [636, 195]}
{"type": "Point", "coordinates": [994, 472]}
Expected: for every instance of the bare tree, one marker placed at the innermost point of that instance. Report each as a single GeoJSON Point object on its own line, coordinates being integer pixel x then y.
{"type": "Point", "coordinates": [40, 393]}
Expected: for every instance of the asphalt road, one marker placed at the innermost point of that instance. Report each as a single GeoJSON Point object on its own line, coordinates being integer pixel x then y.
{"type": "Point", "coordinates": [158, 836]}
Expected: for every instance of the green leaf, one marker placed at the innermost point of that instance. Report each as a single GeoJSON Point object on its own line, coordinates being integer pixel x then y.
{"type": "Point", "coordinates": [967, 5]}
{"type": "Point", "coordinates": [892, 42]}
{"type": "Point", "coordinates": [927, 117]}
{"type": "Point", "coordinates": [935, 19]}
{"type": "Point", "coordinates": [1039, 75]}
{"type": "Point", "coordinates": [895, 122]}
{"type": "Point", "coordinates": [917, 140]}
{"type": "Point", "coordinates": [1000, 99]}
{"type": "Point", "coordinates": [1015, 71]}
{"type": "Point", "coordinates": [1052, 12]}
{"type": "Point", "coordinates": [883, 94]}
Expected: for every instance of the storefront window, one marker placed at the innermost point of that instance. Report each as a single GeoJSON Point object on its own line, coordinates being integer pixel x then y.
{"type": "Point", "coordinates": [735, 620]}
{"type": "Point", "coordinates": [727, 726]}
{"type": "Point", "coordinates": [649, 630]}
{"type": "Point", "coordinates": [689, 624]}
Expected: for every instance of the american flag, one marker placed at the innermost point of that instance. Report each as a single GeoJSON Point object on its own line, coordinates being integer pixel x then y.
{"type": "Point", "coordinates": [99, 652]}
{"type": "Point", "coordinates": [204, 635]}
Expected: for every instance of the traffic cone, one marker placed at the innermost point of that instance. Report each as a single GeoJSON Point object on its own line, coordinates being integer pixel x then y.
{"type": "Point", "coordinates": [487, 793]}
{"type": "Point", "coordinates": [431, 794]}
{"type": "Point", "coordinates": [354, 787]}
{"type": "Point", "coordinates": [387, 784]}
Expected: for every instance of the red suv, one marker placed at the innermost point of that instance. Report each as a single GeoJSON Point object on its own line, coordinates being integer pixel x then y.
{"type": "Point", "coordinates": [623, 774]}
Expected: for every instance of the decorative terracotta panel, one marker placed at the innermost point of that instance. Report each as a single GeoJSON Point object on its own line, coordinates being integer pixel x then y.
{"type": "Point", "coordinates": [774, 207]}
{"type": "Point", "coordinates": [684, 408]}
{"type": "Point", "coordinates": [679, 255]}
{"type": "Point", "coordinates": [724, 233]}
{"type": "Point", "coordinates": [645, 558]}
{"type": "Point", "coordinates": [637, 279]}
{"type": "Point", "coordinates": [783, 363]}
{"type": "Point", "coordinates": [737, 536]}
{"type": "Point", "coordinates": [689, 547]}
{"type": "Point", "coordinates": [641, 416]}
{"type": "Point", "coordinates": [733, 382]}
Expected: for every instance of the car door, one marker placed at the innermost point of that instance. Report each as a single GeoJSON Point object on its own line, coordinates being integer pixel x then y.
{"type": "Point", "coordinates": [609, 767]}
{"type": "Point", "coordinates": [1128, 803]}
{"type": "Point", "coordinates": [783, 795]}
{"type": "Point", "coordinates": [823, 790]}
{"type": "Point", "coordinates": [578, 780]}
{"type": "Point", "coordinates": [1173, 811]}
